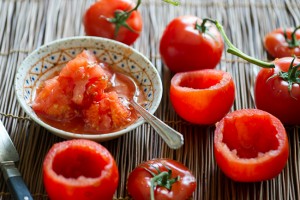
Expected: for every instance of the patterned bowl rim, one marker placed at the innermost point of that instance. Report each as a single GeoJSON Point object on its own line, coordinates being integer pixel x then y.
{"type": "Point", "coordinates": [54, 45]}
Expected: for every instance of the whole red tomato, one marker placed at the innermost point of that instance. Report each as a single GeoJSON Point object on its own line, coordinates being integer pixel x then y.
{"type": "Point", "coordinates": [274, 94]}
{"type": "Point", "coordinates": [184, 46]}
{"type": "Point", "coordinates": [114, 19]}
{"type": "Point", "coordinates": [79, 169]}
{"type": "Point", "coordinates": [203, 96]}
{"type": "Point", "coordinates": [166, 178]}
{"type": "Point", "coordinates": [250, 145]}
{"type": "Point", "coordinates": [283, 42]}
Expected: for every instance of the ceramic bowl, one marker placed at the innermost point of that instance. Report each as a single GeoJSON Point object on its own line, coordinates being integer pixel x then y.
{"type": "Point", "coordinates": [46, 60]}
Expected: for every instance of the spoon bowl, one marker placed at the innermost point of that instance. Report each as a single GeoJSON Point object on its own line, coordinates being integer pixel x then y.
{"type": "Point", "coordinates": [172, 138]}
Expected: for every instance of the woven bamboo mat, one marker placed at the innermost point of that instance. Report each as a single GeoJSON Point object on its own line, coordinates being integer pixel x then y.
{"type": "Point", "coordinates": [27, 24]}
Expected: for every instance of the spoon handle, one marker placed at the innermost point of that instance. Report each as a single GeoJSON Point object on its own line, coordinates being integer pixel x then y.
{"type": "Point", "coordinates": [173, 138]}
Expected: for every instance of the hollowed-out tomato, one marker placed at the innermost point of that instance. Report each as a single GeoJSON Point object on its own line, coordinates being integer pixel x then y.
{"type": "Point", "coordinates": [183, 47]}
{"type": "Point", "coordinates": [80, 169]}
{"type": "Point", "coordinates": [250, 145]}
{"type": "Point", "coordinates": [203, 96]}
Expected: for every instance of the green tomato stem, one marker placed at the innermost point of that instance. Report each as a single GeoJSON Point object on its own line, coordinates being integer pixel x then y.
{"type": "Point", "coordinates": [135, 8]}
{"type": "Point", "coordinates": [120, 19]}
{"type": "Point", "coordinates": [161, 178]}
{"type": "Point", "coordinates": [175, 3]}
{"type": "Point", "coordinates": [234, 50]}
{"type": "Point", "coordinates": [154, 180]}
{"type": "Point", "coordinates": [293, 42]}
{"type": "Point", "coordinates": [291, 76]}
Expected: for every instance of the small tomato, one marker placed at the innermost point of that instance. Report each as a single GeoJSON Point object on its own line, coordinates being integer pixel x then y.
{"type": "Point", "coordinates": [80, 169]}
{"type": "Point", "coordinates": [184, 46]}
{"type": "Point", "coordinates": [203, 96]}
{"type": "Point", "coordinates": [166, 179]}
{"type": "Point", "coordinates": [114, 19]}
{"type": "Point", "coordinates": [250, 145]}
{"type": "Point", "coordinates": [283, 42]}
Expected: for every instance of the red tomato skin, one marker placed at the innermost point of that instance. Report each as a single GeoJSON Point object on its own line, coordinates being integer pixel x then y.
{"type": "Point", "coordinates": [255, 169]}
{"type": "Point", "coordinates": [272, 95]}
{"type": "Point", "coordinates": [183, 48]}
{"type": "Point", "coordinates": [138, 183]}
{"type": "Point", "coordinates": [276, 45]}
{"type": "Point", "coordinates": [82, 188]}
{"type": "Point", "coordinates": [96, 24]}
{"type": "Point", "coordinates": [205, 103]}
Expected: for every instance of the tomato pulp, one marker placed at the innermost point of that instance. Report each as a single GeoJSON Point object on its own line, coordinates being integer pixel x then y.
{"type": "Point", "coordinates": [98, 21]}
{"type": "Point", "coordinates": [272, 93]}
{"type": "Point", "coordinates": [83, 98]}
{"type": "Point", "coordinates": [250, 145]}
{"type": "Point", "coordinates": [182, 181]}
{"type": "Point", "coordinates": [203, 96]}
{"type": "Point", "coordinates": [185, 48]}
{"type": "Point", "coordinates": [277, 45]}
{"type": "Point", "coordinates": [80, 169]}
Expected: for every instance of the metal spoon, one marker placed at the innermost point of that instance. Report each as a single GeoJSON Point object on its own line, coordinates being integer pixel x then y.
{"type": "Point", "coordinates": [173, 138]}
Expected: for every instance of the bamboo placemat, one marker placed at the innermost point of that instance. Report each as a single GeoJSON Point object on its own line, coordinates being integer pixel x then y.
{"type": "Point", "coordinates": [27, 24]}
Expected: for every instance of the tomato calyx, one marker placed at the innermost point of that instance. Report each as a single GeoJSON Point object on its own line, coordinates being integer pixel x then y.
{"type": "Point", "coordinates": [291, 76]}
{"type": "Point", "coordinates": [292, 43]}
{"type": "Point", "coordinates": [202, 28]}
{"type": "Point", "coordinates": [161, 178]}
{"type": "Point", "coordinates": [175, 2]}
{"type": "Point", "coordinates": [120, 19]}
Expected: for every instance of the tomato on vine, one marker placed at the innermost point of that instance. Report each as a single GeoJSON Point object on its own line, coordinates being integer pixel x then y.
{"type": "Point", "coordinates": [161, 179]}
{"type": "Point", "coordinates": [186, 45]}
{"type": "Point", "coordinates": [114, 19]}
{"type": "Point", "coordinates": [283, 42]}
{"type": "Point", "coordinates": [277, 84]}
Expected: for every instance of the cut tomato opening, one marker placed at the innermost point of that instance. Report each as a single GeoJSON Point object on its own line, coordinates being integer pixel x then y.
{"type": "Point", "coordinates": [200, 80]}
{"type": "Point", "coordinates": [250, 136]}
{"type": "Point", "coordinates": [80, 162]}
